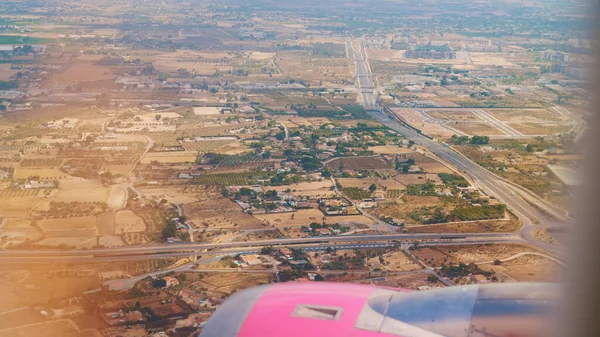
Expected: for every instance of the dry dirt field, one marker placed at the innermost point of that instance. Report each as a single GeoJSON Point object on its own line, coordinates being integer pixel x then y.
{"type": "Point", "coordinates": [170, 157]}
{"type": "Point", "coordinates": [524, 115]}
{"type": "Point", "coordinates": [390, 149]}
{"type": "Point", "coordinates": [406, 281]}
{"type": "Point", "coordinates": [226, 283]}
{"type": "Point", "coordinates": [492, 226]}
{"type": "Point", "coordinates": [417, 120]}
{"type": "Point", "coordinates": [75, 241]}
{"type": "Point", "coordinates": [452, 115]}
{"type": "Point", "coordinates": [476, 129]}
{"type": "Point", "coordinates": [232, 149]}
{"type": "Point", "coordinates": [43, 173]}
{"type": "Point", "coordinates": [58, 328]}
{"type": "Point", "coordinates": [359, 163]}
{"type": "Point", "coordinates": [13, 207]}
{"type": "Point", "coordinates": [116, 196]}
{"type": "Point", "coordinates": [406, 179]}
{"type": "Point", "coordinates": [202, 63]}
{"type": "Point", "coordinates": [490, 59]}
{"type": "Point", "coordinates": [6, 72]}
{"type": "Point", "coordinates": [83, 71]}
{"type": "Point", "coordinates": [398, 261]}
{"type": "Point", "coordinates": [82, 190]}
{"type": "Point", "coordinates": [314, 189]}
{"type": "Point", "coordinates": [428, 164]}
{"type": "Point", "coordinates": [528, 268]}
{"type": "Point", "coordinates": [305, 217]}
{"type": "Point", "coordinates": [293, 121]}
{"type": "Point", "coordinates": [218, 213]}
{"type": "Point", "coordinates": [540, 128]}
{"type": "Point", "coordinates": [69, 223]}
{"type": "Point", "coordinates": [176, 195]}
{"type": "Point", "coordinates": [127, 222]}
{"type": "Point", "coordinates": [435, 256]}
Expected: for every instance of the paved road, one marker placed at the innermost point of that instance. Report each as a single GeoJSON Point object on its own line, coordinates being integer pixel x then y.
{"type": "Point", "coordinates": [194, 247]}
{"type": "Point", "coordinates": [363, 75]}
{"type": "Point", "coordinates": [517, 199]}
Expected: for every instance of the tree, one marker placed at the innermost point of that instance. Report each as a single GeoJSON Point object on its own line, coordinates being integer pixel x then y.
{"type": "Point", "coordinates": [373, 188]}
{"type": "Point", "coordinates": [159, 283]}
{"type": "Point", "coordinates": [529, 148]}
{"type": "Point", "coordinates": [432, 278]}
{"type": "Point", "coordinates": [225, 192]}
{"type": "Point", "coordinates": [157, 117]}
{"type": "Point", "coordinates": [497, 262]}
{"type": "Point", "coordinates": [319, 278]}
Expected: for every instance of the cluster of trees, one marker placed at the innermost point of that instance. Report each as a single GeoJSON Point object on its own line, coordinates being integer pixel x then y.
{"type": "Point", "coordinates": [475, 140]}
{"type": "Point", "coordinates": [469, 213]}
{"type": "Point", "coordinates": [405, 165]}
{"type": "Point", "coordinates": [462, 270]}
{"type": "Point", "coordinates": [453, 180]}
{"type": "Point", "coordinates": [421, 189]}
{"type": "Point", "coordinates": [7, 85]}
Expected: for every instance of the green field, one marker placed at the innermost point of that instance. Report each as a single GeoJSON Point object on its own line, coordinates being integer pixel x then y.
{"type": "Point", "coordinates": [15, 39]}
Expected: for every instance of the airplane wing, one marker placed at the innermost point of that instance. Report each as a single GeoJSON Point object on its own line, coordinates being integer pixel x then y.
{"type": "Point", "coordinates": [353, 310]}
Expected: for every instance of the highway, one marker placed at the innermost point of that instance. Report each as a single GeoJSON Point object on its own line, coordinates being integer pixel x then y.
{"type": "Point", "coordinates": [199, 247]}
{"type": "Point", "coordinates": [517, 200]}
{"type": "Point", "coordinates": [363, 76]}
{"type": "Point", "coordinates": [186, 250]}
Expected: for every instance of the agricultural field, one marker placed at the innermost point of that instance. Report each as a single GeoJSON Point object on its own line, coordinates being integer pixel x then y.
{"type": "Point", "coordinates": [241, 160]}
{"type": "Point", "coordinates": [393, 194]}
{"type": "Point", "coordinates": [356, 193]}
{"type": "Point", "coordinates": [21, 193]}
{"type": "Point", "coordinates": [224, 179]}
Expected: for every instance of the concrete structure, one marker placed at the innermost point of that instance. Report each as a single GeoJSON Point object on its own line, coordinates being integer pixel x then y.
{"type": "Point", "coordinates": [556, 56]}
{"type": "Point", "coordinates": [252, 260]}
{"type": "Point", "coordinates": [171, 281]}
